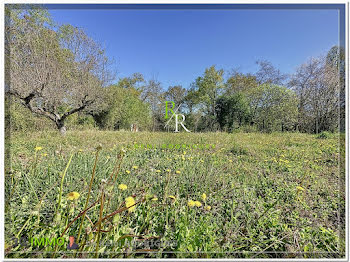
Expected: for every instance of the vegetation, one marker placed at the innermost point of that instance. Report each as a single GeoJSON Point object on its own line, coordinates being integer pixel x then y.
{"type": "Point", "coordinates": [57, 71]}
{"type": "Point", "coordinates": [259, 195]}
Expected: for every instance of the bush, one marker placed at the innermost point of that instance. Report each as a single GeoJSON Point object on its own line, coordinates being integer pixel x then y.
{"type": "Point", "coordinates": [324, 135]}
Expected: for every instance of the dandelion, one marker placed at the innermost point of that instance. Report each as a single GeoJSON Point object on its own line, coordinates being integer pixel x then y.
{"type": "Point", "coordinates": [130, 204]}
{"type": "Point", "coordinates": [127, 171]}
{"type": "Point", "coordinates": [230, 160]}
{"type": "Point", "coordinates": [191, 203]}
{"type": "Point", "coordinates": [44, 154]}
{"type": "Point", "coordinates": [300, 188]}
{"type": "Point", "coordinates": [168, 170]}
{"type": "Point", "coordinates": [178, 172]}
{"type": "Point", "coordinates": [123, 187]}
{"type": "Point", "coordinates": [73, 195]}
{"type": "Point", "coordinates": [172, 197]}
{"type": "Point", "coordinates": [208, 207]}
{"type": "Point", "coordinates": [158, 171]}
{"type": "Point", "coordinates": [154, 198]}
{"type": "Point", "coordinates": [135, 167]}
{"type": "Point", "coordinates": [197, 203]}
{"type": "Point", "coordinates": [80, 150]}
{"type": "Point", "coordinates": [38, 148]}
{"type": "Point", "coordinates": [204, 196]}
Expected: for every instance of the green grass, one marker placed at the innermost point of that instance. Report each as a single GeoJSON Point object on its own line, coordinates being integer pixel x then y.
{"type": "Point", "coordinates": [270, 195]}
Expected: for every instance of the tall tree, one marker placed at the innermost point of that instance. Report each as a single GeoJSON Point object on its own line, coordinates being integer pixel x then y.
{"type": "Point", "coordinates": [268, 74]}
{"type": "Point", "coordinates": [274, 108]}
{"type": "Point", "coordinates": [54, 72]}
{"type": "Point", "coordinates": [207, 89]}
{"type": "Point", "coordinates": [316, 83]}
{"type": "Point", "coordinates": [176, 94]}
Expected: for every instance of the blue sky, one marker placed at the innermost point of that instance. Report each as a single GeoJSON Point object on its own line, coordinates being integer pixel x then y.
{"type": "Point", "coordinates": [175, 46]}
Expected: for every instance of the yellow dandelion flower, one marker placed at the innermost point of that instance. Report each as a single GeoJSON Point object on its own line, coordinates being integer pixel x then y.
{"type": "Point", "coordinates": [80, 150]}
{"type": "Point", "coordinates": [172, 197]}
{"type": "Point", "coordinates": [197, 203]}
{"type": "Point", "coordinates": [154, 198]}
{"type": "Point", "coordinates": [38, 148]}
{"type": "Point", "coordinates": [208, 207]}
{"type": "Point", "coordinates": [130, 204]}
{"type": "Point", "coordinates": [300, 188]}
{"type": "Point", "coordinates": [158, 171]}
{"type": "Point", "coordinates": [123, 187]}
{"type": "Point", "coordinates": [191, 203]}
{"type": "Point", "coordinates": [204, 196]}
{"type": "Point", "coordinates": [168, 170]}
{"type": "Point", "coordinates": [127, 171]}
{"type": "Point", "coordinates": [44, 154]}
{"type": "Point", "coordinates": [178, 172]}
{"type": "Point", "coordinates": [230, 160]}
{"type": "Point", "coordinates": [73, 195]}
{"type": "Point", "coordinates": [135, 167]}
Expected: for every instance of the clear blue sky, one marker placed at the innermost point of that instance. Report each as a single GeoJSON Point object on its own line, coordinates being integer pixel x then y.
{"type": "Point", "coordinates": [175, 46]}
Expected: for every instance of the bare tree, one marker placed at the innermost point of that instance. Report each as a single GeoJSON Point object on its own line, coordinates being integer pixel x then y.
{"type": "Point", "coordinates": [316, 83]}
{"type": "Point", "coordinates": [268, 74]}
{"type": "Point", "coordinates": [55, 72]}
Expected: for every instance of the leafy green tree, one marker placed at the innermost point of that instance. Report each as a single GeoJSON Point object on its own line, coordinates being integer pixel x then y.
{"type": "Point", "coordinates": [124, 106]}
{"type": "Point", "coordinates": [273, 108]}
{"type": "Point", "coordinates": [232, 111]}
{"type": "Point", "coordinates": [239, 82]}
{"type": "Point", "coordinates": [205, 91]}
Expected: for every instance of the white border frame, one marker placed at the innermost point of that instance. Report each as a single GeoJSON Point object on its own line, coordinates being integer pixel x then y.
{"type": "Point", "coordinates": [2, 112]}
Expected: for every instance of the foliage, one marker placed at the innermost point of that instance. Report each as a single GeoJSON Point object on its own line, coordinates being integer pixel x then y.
{"type": "Point", "coordinates": [273, 107]}
{"type": "Point", "coordinates": [52, 68]}
{"type": "Point", "coordinates": [232, 111]}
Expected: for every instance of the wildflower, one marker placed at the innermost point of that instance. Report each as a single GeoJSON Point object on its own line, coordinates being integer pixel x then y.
{"type": "Point", "coordinates": [130, 204]}
{"type": "Point", "coordinates": [154, 198]}
{"type": "Point", "coordinates": [80, 150]}
{"type": "Point", "coordinates": [168, 170]}
{"type": "Point", "coordinates": [230, 160]}
{"type": "Point", "coordinates": [73, 195]}
{"type": "Point", "coordinates": [38, 148]}
{"type": "Point", "coordinates": [127, 171]}
{"type": "Point", "coordinates": [208, 207]}
{"type": "Point", "coordinates": [123, 187]}
{"type": "Point", "coordinates": [135, 167]}
{"type": "Point", "coordinates": [178, 172]}
{"type": "Point", "coordinates": [191, 203]}
{"type": "Point", "coordinates": [300, 188]}
{"type": "Point", "coordinates": [197, 203]}
{"type": "Point", "coordinates": [172, 197]}
{"type": "Point", "coordinates": [204, 196]}
{"type": "Point", "coordinates": [44, 154]}
{"type": "Point", "coordinates": [158, 171]}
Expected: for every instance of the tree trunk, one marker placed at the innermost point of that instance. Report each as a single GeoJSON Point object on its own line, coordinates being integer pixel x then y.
{"type": "Point", "coordinates": [61, 127]}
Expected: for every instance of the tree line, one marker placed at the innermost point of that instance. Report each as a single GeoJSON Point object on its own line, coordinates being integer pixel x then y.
{"type": "Point", "coordinates": [59, 73]}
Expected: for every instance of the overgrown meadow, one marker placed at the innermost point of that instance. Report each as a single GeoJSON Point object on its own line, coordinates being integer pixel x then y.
{"type": "Point", "coordinates": [251, 195]}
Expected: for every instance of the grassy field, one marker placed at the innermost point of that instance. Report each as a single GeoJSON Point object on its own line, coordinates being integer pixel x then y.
{"type": "Point", "coordinates": [244, 195]}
